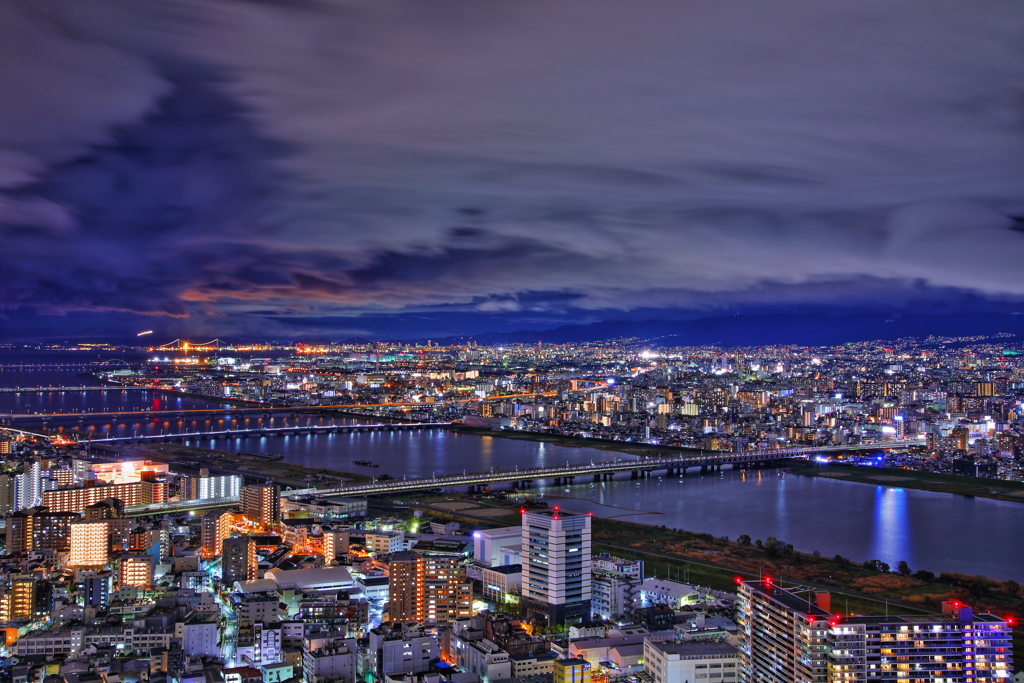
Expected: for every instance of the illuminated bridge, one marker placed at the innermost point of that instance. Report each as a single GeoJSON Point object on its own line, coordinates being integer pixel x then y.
{"type": "Point", "coordinates": [52, 390]}
{"type": "Point", "coordinates": [599, 471]}
{"type": "Point", "coordinates": [277, 431]}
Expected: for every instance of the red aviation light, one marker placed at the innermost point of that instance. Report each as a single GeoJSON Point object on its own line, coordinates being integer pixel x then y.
{"type": "Point", "coordinates": [1010, 621]}
{"type": "Point", "coordinates": [738, 580]}
{"type": "Point", "coordinates": [522, 511]}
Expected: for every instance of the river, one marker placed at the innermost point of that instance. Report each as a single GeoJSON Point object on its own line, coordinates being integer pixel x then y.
{"type": "Point", "coordinates": [933, 531]}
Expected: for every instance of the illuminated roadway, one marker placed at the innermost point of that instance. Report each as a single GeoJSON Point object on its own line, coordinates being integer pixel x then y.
{"type": "Point", "coordinates": [277, 431]}
{"type": "Point", "coordinates": [637, 467]}
{"type": "Point", "coordinates": [51, 390]}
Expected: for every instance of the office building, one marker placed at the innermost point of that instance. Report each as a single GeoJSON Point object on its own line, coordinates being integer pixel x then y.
{"type": "Point", "coordinates": [215, 527]}
{"type": "Point", "coordinates": [401, 648]}
{"type": "Point", "coordinates": [791, 640]}
{"type": "Point", "coordinates": [488, 544]}
{"type": "Point", "coordinates": [571, 671]}
{"type": "Point", "coordinates": [556, 566]}
{"type": "Point", "coordinates": [501, 581]}
{"type": "Point", "coordinates": [430, 589]}
{"type": "Point", "coordinates": [680, 662]}
{"type": "Point", "coordinates": [239, 560]}
{"type": "Point", "coordinates": [261, 504]}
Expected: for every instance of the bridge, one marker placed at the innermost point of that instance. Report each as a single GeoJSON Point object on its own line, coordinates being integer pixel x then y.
{"type": "Point", "coordinates": [53, 390]}
{"type": "Point", "coordinates": [275, 431]}
{"type": "Point", "coordinates": [180, 413]}
{"type": "Point", "coordinates": [255, 409]}
{"type": "Point", "coordinates": [641, 467]}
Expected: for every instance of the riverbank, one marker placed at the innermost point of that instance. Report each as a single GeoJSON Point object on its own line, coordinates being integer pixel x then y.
{"type": "Point", "coordinates": [997, 489]}
{"type": "Point", "coordinates": [630, 448]}
{"type": "Point", "coordinates": [704, 560]}
{"type": "Point", "coordinates": [252, 466]}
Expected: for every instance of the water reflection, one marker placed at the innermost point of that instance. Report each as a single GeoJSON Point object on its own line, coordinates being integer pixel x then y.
{"type": "Point", "coordinates": [891, 537]}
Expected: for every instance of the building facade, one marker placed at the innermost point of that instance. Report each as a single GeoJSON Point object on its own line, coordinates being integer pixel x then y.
{"type": "Point", "coordinates": [790, 640]}
{"type": "Point", "coordinates": [556, 566]}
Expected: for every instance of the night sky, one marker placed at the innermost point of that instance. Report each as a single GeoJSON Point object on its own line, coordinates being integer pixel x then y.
{"type": "Point", "coordinates": [262, 169]}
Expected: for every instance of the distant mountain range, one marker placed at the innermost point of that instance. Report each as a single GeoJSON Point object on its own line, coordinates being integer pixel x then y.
{"type": "Point", "coordinates": [763, 330]}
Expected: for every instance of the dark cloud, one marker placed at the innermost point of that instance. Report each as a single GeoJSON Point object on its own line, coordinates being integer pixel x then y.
{"type": "Point", "coordinates": [213, 161]}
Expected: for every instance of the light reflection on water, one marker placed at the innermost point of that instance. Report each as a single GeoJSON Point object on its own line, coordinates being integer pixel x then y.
{"type": "Point", "coordinates": [891, 537]}
{"type": "Point", "coordinates": [933, 531]}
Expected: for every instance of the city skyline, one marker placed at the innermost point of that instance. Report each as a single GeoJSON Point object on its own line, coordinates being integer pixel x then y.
{"type": "Point", "coordinates": [394, 172]}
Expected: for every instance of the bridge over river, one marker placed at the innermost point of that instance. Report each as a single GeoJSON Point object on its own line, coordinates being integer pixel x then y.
{"type": "Point", "coordinates": [642, 467]}
{"type": "Point", "coordinates": [274, 431]}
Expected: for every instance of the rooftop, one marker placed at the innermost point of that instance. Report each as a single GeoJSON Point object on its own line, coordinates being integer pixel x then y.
{"type": "Point", "coordinates": [697, 649]}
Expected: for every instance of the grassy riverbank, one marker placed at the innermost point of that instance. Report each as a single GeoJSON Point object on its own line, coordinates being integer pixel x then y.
{"type": "Point", "coordinates": [254, 466]}
{"type": "Point", "coordinates": [998, 489]}
{"type": "Point", "coordinates": [638, 449]}
{"type": "Point", "coordinates": [705, 560]}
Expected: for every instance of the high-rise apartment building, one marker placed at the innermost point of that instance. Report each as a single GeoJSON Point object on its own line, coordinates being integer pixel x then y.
{"type": "Point", "coordinates": [430, 589]}
{"type": "Point", "coordinates": [204, 488]}
{"type": "Point", "coordinates": [216, 526]}
{"type": "Point", "coordinates": [790, 640]}
{"type": "Point", "coordinates": [239, 560]}
{"type": "Point", "coordinates": [19, 600]}
{"type": "Point", "coordinates": [261, 504]}
{"type": "Point", "coordinates": [136, 570]}
{"type": "Point", "coordinates": [28, 486]}
{"type": "Point", "coordinates": [7, 499]}
{"type": "Point", "coordinates": [556, 566]}
{"type": "Point", "coordinates": [134, 493]}
{"type": "Point", "coordinates": [98, 588]}
{"type": "Point", "coordinates": [92, 542]}
{"type": "Point", "coordinates": [38, 527]}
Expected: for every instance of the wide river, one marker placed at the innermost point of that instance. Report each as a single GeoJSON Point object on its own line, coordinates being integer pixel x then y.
{"type": "Point", "coordinates": [934, 531]}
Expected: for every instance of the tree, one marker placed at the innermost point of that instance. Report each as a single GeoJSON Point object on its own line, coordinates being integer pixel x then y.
{"type": "Point", "coordinates": [924, 575]}
{"type": "Point", "coordinates": [903, 568]}
{"type": "Point", "coordinates": [744, 540]}
{"type": "Point", "coordinates": [876, 565]}
{"type": "Point", "coordinates": [1011, 587]}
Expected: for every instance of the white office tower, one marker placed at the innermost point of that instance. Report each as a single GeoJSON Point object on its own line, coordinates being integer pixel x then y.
{"type": "Point", "coordinates": [556, 566]}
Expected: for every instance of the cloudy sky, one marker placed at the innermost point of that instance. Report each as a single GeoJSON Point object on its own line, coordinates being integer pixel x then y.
{"type": "Point", "coordinates": [379, 168]}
